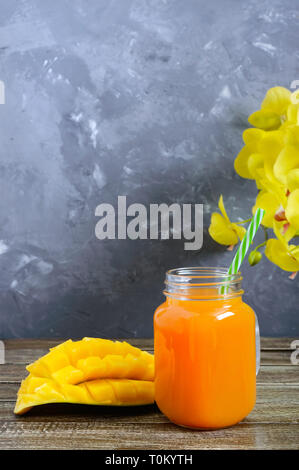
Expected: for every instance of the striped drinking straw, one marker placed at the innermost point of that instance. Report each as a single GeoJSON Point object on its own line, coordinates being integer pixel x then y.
{"type": "Point", "coordinates": [245, 243]}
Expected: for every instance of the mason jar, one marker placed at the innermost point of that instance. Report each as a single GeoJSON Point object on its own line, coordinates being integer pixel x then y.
{"type": "Point", "coordinates": [206, 349]}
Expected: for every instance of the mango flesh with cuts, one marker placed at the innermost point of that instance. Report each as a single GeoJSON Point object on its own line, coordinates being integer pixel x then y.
{"type": "Point", "coordinates": [110, 392]}
{"type": "Point", "coordinates": [94, 358]}
{"type": "Point", "coordinates": [91, 371]}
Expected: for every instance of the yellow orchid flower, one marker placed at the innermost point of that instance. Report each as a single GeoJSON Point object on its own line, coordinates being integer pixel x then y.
{"type": "Point", "coordinates": [251, 138]}
{"type": "Point", "coordinates": [222, 230]}
{"type": "Point", "coordinates": [270, 203]}
{"type": "Point", "coordinates": [266, 120]}
{"type": "Point", "coordinates": [270, 147]}
{"type": "Point", "coordinates": [293, 114]}
{"type": "Point", "coordinates": [293, 180]}
{"type": "Point", "coordinates": [295, 97]}
{"type": "Point", "coordinates": [283, 255]}
{"type": "Point", "coordinates": [287, 160]}
{"type": "Point", "coordinates": [292, 209]}
{"type": "Point", "coordinates": [241, 162]}
{"type": "Point", "coordinates": [270, 156]}
{"type": "Point", "coordinates": [273, 110]}
{"type": "Point", "coordinates": [279, 252]}
{"type": "Point", "coordinates": [291, 135]}
{"type": "Point", "coordinates": [277, 99]}
{"type": "Point", "coordinates": [286, 168]}
{"type": "Point", "coordinates": [257, 158]}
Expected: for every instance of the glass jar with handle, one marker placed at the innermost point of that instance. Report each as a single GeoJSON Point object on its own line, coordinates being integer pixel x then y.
{"type": "Point", "coordinates": [206, 349]}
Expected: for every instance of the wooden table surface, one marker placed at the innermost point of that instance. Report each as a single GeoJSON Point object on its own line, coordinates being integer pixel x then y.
{"type": "Point", "coordinates": [273, 424]}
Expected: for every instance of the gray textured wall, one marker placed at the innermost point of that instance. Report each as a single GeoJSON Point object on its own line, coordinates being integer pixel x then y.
{"type": "Point", "coordinates": [144, 98]}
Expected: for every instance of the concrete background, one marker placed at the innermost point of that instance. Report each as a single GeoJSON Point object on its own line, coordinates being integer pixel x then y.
{"type": "Point", "coordinates": [144, 98]}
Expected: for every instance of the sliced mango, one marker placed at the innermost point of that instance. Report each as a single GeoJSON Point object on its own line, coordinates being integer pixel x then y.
{"type": "Point", "coordinates": [94, 358]}
{"type": "Point", "coordinates": [68, 374]}
{"type": "Point", "coordinates": [109, 392]}
{"type": "Point", "coordinates": [91, 371]}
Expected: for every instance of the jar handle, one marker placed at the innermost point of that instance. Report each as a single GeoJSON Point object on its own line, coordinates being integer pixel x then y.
{"type": "Point", "coordinates": [257, 345]}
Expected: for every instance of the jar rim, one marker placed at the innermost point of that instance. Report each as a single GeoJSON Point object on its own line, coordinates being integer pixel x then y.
{"type": "Point", "coordinates": [200, 283]}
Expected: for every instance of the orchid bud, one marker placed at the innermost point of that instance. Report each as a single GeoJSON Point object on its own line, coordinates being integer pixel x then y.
{"type": "Point", "coordinates": [254, 257]}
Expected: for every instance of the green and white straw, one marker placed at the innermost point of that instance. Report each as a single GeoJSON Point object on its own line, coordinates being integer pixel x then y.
{"type": "Point", "coordinates": [246, 242]}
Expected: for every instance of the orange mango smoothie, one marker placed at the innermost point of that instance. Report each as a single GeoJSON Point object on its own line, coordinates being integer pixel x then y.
{"type": "Point", "coordinates": [205, 352]}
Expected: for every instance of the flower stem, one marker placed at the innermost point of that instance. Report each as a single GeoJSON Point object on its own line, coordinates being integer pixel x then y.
{"type": "Point", "coordinates": [266, 239]}
{"type": "Point", "coordinates": [243, 221]}
{"type": "Point", "coordinates": [260, 245]}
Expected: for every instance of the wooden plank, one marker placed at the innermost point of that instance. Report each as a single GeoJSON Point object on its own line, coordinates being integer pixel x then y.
{"type": "Point", "coordinates": [270, 357]}
{"type": "Point", "coordinates": [278, 374]}
{"type": "Point", "coordinates": [276, 343]}
{"type": "Point", "coordinates": [267, 374]}
{"type": "Point", "coordinates": [23, 356]}
{"type": "Point", "coordinates": [12, 373]}
{"type": "Point", "coordinates": [20, 343]}
{"type": "Point", "coordinates": [275, 404]}
{"type": "Point", "coordinates": [21, 352]}
{"type": "Point", "coordinates": [27, 345]}
{"type": "Point", "coordinates": [8, 391]}
{"type": "Point", "coordinates": [99, 435]}
{"type": "Point", "coordinates": [27, 351]}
